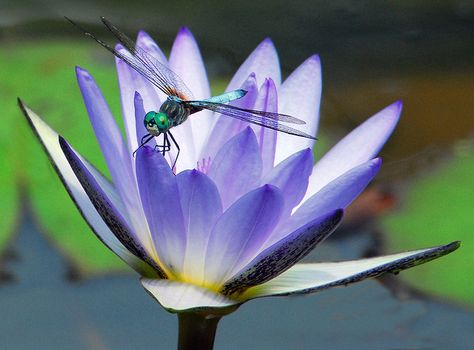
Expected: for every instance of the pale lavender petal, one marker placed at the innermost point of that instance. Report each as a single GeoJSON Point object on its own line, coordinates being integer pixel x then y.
{"type": "Point", "coordinates": [186, 61]}
{"type": "Point", "coordinates": [150, 46]}
{"type": "Point", "coordinates": [50, 141]}
{"type": "Point", "coordinates": [160, 200]}
{"type": "Point", "coordinates": [116, 154]}
{"type": "Point", "coordinates": [311, 278]}
{"type": "Point", "coordinates": [337, 194]}
{"type": "Point", "coordinates": [284, 254]}
{"type": "Point", "coordinates": [226, 127]}
{"type": "Point", "coordinates": [106, 208]}
{"type": "Point", "coordinates": [267, 100]}
{"type": "Point", "coordinates": [362, 144]}
{"type": "Point", "coordinates": [237, 167]}
{"type": "Point", "coordinates": [152, 49]}
{"type": "Point", "coordinates": [263, 61]}
{"type": "Point", "coordinates": [291, 176]}
{"type": "Point", "coordinates": [139, 116]}
{"type": "Point", "coordinates": [201, 205]}
{"type": "Point", "coordinates": [131, 81]}
{"type": "Point", "coordinates": [183, 297]}
{"type": "Point", "coordinates": [300, 96]}
{"type": "Point", "coordinates": [240, 232]}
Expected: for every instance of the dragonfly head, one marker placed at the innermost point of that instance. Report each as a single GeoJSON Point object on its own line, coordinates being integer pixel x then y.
{"type": "Point", "coordinates": [156, 122]}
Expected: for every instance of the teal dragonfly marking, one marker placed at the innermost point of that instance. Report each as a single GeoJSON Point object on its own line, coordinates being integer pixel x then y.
{"type": "Point", "coordinates": [180, 104]}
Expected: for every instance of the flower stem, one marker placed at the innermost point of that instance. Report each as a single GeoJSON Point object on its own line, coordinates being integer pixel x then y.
{"type": "Point", "coordinates": [197, 331]}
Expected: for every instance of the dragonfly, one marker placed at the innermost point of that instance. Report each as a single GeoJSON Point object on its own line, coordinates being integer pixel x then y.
{"type": "Point", "coordinates": [180, 104]}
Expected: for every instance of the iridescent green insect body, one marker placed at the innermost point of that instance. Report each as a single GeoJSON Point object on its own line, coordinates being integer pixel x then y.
{"type": "Point", "coordinates": [180, 104]}
{"type": "Point", "coordinates": [174, 111]}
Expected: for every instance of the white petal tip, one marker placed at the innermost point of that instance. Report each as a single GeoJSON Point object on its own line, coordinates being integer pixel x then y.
{"type": "Point", "coordinates": [182, 297]}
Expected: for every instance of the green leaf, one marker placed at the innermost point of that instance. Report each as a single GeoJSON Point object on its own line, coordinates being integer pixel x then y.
{"type": "Point", "coordinates": [42, 74]}
{"type": "Point", "coordinates": [438, 209]}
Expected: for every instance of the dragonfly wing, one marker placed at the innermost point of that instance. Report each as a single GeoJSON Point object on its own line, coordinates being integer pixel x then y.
{"type": "Point", "coordinates": [265, 119]}
{"type": "Point", "coordinates": [210, 104]}
{"type": "Point", "coordinates": [173, 83]}
{"type": "Point", "coordinates": [142, 62]}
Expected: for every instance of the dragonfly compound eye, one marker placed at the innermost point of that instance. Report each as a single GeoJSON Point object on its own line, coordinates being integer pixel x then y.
{"type": "Point", "coordinates": [150, 122]}
{"type": "Point", "coordinates": [162, 121]}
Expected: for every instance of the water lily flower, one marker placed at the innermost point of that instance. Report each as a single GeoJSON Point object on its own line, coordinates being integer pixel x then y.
{"type": "Point", "coordinates": [243, 205]}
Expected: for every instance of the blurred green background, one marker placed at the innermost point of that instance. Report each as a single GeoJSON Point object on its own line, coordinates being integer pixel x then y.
{"type": "Point", "coordinates": [373, 53]}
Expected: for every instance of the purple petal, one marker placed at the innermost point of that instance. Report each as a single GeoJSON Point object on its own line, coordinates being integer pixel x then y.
{"type": "Point", "coordinates": [291, 176]}
{"type": "Point", "coordinates": [362, 144]}
{"type": "Point", "coordinates": [311, 278]}
{"type": "Point", "coordinates": [139, 116]}
{"type": "Point", "coordinates": [116, 154]}
{"type": "Point", "coordinates": [201, 205]}
{"type": "Point", "coordinates": [160, 198]}
{"type": "Point", "coordinates": [237, 167]}
{"type": "Point", "coordinates": [267, 100]}
{"type": "Point", "coordinates": [106, 209]}
{"type": "Point", "coordinates": [240, 232]}
{"type": "Point", "coordinates": [50, 140]}
{"type": "Point", "coordinates": [226, 127]}
{"type": "Point", "coordinates": [337, 194]}
{"type": "Point", "coordinates": [282, 255]}
{"type": "Point", "coordinates": [300, 96]}
{"type": "Point", "coordinates": [131, 81]}
{"type": "Point", "coordinates": [149, 45]}
{"type": "Point", "coordinates": [263, 61]}
{"type": "Point", "coordinates": [186, 61]}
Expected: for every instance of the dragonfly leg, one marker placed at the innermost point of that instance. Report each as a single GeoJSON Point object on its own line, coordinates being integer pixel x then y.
{"type": "Point", "coordinates": [177, 147]}
{"type": "Point", "coordinates": [143, 142]}
{"type": "Point", "coordinates": [166, 144]}
{"type": "Point", "coordinates": [165, 147]}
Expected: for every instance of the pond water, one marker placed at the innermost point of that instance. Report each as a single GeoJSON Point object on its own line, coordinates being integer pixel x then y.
{"type": "Point", "coordinates": [43, 309]}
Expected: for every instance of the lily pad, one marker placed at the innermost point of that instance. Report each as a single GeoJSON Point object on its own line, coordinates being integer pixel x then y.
{"type": "Point", "coordinates": [42, 74]}
{"type": "Point", "coordinates": [438, 208]}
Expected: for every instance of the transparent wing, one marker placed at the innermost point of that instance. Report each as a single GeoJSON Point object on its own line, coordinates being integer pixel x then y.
{"type": "Point", "coordinates": [265, 119]}
{"type": "Point", "coordinates": [144, 63]}
{"type": "Point", "coordinates": [245, 112]}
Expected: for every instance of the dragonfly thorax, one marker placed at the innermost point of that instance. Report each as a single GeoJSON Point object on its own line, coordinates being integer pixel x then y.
{"type": "Point", "coordinates": [156, 122]}
{"type": "Point", "coordinates": [176, 110]}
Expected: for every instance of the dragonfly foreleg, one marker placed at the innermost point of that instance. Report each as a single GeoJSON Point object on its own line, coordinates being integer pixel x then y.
{"type": "Point", "coordinates": [143, 142]}
{"type": "Point", "coordinates": [144, 139]}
